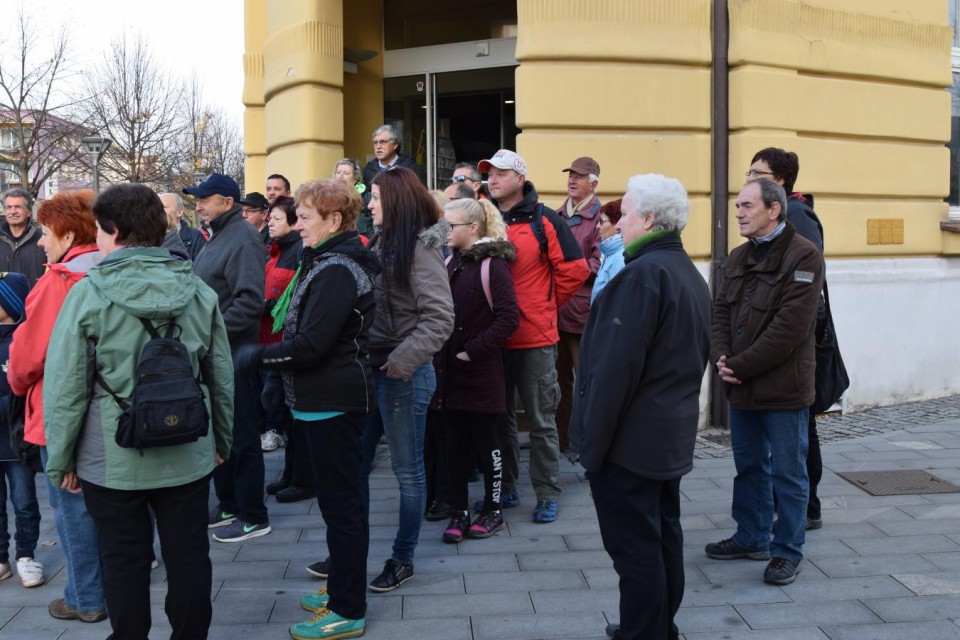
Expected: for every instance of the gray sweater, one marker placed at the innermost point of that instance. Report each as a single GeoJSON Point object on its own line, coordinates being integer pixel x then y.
{"type": "Point", "coordinates": [233, 264]}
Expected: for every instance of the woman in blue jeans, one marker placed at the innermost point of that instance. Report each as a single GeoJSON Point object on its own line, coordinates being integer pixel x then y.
{"type": "Point", "coordinates": [414, 317]}
{"type": "Point", "coordinates": [69, 242]}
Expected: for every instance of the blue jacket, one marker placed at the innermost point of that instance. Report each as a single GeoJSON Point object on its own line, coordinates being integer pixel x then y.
{"type": "Point", "coordinates": [612, 250]}
{"type": "Point", "coordinates": [6, 337]}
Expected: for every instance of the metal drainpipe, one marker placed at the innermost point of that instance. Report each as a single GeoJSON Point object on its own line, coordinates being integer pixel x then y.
{"type": "Point", "coordinates": [721, 132]}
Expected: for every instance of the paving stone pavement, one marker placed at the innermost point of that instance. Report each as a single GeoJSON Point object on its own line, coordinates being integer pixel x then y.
{"type": "Point", "coordinates": [881, 567]}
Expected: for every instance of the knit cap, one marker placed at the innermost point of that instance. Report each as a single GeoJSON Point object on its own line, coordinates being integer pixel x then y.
{"type": "Point", "coordinates": [13, 293]}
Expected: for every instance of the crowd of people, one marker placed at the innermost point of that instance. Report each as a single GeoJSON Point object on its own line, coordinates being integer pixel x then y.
{"type": "Point", "coordinates": [365, 307]}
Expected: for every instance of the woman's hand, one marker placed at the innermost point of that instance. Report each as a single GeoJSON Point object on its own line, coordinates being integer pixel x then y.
{"type": "Point", "coordinates": [391, 371]}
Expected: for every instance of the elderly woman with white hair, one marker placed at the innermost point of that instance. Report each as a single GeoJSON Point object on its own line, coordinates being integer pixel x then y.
{"type": "Point", "coordinates": [644, 351]}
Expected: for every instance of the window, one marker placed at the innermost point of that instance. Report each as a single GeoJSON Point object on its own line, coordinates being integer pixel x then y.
{"type": "Point", "coordinates": [954, 198]}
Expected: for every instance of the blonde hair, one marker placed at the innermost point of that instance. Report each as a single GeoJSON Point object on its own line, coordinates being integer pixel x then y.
{"type": "Point", "coordinates": [439, 197]}
{"type": "Point", "coordinates": [484, 214]}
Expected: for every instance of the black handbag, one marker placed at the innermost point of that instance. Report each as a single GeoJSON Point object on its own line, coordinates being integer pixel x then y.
{"type": "Point", "coordinates": [27, 453]}
{"type": "Point", "coordinates": [831, 378]}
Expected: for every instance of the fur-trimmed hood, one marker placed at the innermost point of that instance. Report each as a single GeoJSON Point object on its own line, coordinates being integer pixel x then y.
{"type": "Point", "coordinates": [435, 236]}
{"type": "Point", "coordinates": [490, 248]}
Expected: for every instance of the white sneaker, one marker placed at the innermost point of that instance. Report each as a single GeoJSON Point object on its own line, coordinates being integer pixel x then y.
{"type": "Point", "coordinates": [270, 441]}
{"type": "Point", "coordinates": [30, 572]}
{"type": "Point", "coordinates": [5, 570]}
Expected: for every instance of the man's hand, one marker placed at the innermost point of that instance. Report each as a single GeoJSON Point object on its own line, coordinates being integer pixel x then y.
{"type": "Point", "coordinates": [463, 356]}
{"type": "Point", "coordinates": [726, 373]}
{"type": "Point", "coordinates": [71, 482]}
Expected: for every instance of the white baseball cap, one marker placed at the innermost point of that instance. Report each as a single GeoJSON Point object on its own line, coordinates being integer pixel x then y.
{"type": "Point", "coordinates": [504, 159]}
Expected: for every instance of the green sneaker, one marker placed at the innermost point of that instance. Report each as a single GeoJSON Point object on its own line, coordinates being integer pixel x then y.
{"type": "Point", "coordinates": [327, 625]}
{"type": "Point", "coordinates": [313, 602]}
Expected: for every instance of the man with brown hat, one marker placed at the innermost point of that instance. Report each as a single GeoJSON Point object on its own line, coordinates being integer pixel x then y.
{"type": "Point", "coordinates": [579, 211]}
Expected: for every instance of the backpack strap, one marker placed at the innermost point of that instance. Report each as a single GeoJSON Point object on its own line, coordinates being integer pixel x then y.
{"type": "Point", "coordinates": [484, 278]}
{"type": "Point", "coordinates": [536, 223]}
{"type": "Point", "coordinates": [485, 281]}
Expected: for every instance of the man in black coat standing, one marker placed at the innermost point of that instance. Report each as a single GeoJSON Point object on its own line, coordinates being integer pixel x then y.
{"type": "Point", "coordinates": [636, 407]}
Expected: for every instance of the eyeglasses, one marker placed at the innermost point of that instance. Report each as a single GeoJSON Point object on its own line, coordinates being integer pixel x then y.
{"type": "Point", "coordinates": [378, 143]}
{"type": "Point", "coordinates": [461, 179]}
{"type": "Point", "coordinates": [754, 173]}
{"type": "Point", "coordinates": [459, 224]}
{"type": "Point", "coordinates": [604, 220]}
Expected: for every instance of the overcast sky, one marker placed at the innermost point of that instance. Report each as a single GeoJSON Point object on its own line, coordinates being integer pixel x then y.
{"type": "Point", "coordinates": [186, 36]}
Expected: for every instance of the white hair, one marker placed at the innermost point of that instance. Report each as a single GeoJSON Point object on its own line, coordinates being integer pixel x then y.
{"type": "Point", "coordinates": [177, 201]}
{"type": "Point", "coordinates": [664, 197]}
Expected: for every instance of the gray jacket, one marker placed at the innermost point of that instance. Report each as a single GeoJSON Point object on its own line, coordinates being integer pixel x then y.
{"type": "Point", "coordinates": [411, 324]}
{"type": "Point", "coordinates": [233, 263]}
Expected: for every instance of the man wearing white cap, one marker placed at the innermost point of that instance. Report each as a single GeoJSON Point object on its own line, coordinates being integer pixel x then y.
{"type": "Point", "coordinates": [548, 270]}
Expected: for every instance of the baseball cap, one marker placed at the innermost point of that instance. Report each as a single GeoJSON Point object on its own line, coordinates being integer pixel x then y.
{"type": "Point", "coordinates": [585, 166]}
{"type": "Point", "coordinates": [256, 200]}
{"type": "Point", "coordinates": [504, 159]}
{"type": "Point", "coordinates": [216, 184]}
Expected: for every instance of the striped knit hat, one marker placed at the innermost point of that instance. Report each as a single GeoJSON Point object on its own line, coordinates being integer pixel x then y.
{"type": "Point", "coordinates": [13, 292]}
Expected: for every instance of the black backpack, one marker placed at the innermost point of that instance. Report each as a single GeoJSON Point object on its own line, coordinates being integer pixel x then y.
{"type": "Point", "coordinates": [167, 407]}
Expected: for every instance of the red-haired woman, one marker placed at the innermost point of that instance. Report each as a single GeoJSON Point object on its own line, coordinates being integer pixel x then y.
{"type": "Point", "coordinates": [69, 240]}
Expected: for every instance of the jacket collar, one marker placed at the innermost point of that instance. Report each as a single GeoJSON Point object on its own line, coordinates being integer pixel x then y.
{"type": "Point", "coordinates": [651, 242]}
{"type": "Point", "coordinates": [218, 223]}
{"type": "Point", "coordinates": [775, 255]}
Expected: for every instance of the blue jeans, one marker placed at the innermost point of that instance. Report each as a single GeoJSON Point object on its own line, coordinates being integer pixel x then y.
{"type": "Point", "coordinates": [78, 536]}
{"type": "Point", "coordinates": [23, 496]}
{"type": "Point", "coordinates": [770, 453]}
{"type": "Point", "coordinates": [402, 417]}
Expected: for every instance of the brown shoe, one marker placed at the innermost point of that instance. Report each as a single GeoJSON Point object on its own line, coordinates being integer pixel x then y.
{"type": "Point", "coordinates": [60, 610]}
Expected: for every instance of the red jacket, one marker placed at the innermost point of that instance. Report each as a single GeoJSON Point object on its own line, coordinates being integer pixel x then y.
{"type": "Point", "coordinates": [543, 282]}
{"type": "Point", "coordinates": [282, 266]}
{"type": "Point", "coordinates": [573, 315]}
{"type": "Point", "coordinates": [28, 352]}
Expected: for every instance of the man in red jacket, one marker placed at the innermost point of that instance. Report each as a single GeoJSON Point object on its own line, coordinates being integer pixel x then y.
{"type": "Point", "coordinates": [548, 270]}
{"type": "Point", "coordinates": [579, 211]}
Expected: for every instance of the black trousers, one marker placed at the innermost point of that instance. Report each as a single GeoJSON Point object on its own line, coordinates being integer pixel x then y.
{"type": "Point", "coordinates": [640, 526]}
{"type": "Point", "coordinates": [334, 446]}
{"type": "Point", "coordinates": [296, 456]}
{"type": "Point", "coordinates": [239, 480]}
{"type": "Point", "coordinates": [814, 467]}
{"type": "Point", "coordinates": [435, 458]}
{"type": "Point", "coordinates": [463, 429]}
{"type": "Point", "coordinates": [125, 534]}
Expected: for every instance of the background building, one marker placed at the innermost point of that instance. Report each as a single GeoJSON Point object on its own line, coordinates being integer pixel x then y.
{"type": "Point", "coordinates": [688, 88]}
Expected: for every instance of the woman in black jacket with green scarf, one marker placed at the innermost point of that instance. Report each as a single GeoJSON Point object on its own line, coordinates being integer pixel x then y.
{"type": "Point", "coordinates": [325, 315]}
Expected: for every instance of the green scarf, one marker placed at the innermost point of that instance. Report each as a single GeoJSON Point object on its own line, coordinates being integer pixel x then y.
{"type": "Point", "coordinates": [279, 312]}
{"type": "Point", "coordinates": [634, 247]}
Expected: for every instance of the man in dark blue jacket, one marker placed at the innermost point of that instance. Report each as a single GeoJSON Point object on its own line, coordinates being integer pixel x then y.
{"type": "Point", "coordinates": [636, 407]}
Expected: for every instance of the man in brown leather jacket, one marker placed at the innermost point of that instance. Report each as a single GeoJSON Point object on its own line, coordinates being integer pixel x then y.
{"type": "Point", "coordinates": [762, 342]}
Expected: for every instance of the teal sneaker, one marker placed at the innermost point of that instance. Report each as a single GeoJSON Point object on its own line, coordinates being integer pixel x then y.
{"type": "Point", "coordinates": [313, 602]}
{"type": "Point", "coordinates": [327, 625]}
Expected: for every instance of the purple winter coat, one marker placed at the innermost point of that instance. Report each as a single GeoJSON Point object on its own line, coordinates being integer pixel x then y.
{"type": "Point", "coordinates": [478, 385]}
{"type": "Point", "coordinates": [573, 315]}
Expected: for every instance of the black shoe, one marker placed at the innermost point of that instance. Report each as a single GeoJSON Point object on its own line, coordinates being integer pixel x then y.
{"type": "Point", "coordinates": [814, 523]}
{"type": "Point", "coordinates": [730, 550]}
{"type": "Point", "coordinates": [612, 629]}
{"type": "Point", "coordinates": [275, 487]}
{"type": "Point", "coordinates": [393, 575]}
{"type": "Point", "coordinates": [320, 569]}
{"type": "Point", "coordinates": [295, 494]}
{"type": "Point", "coordinates": [781, 571]}
{"type": "Point", "coordinates": [437, 511]}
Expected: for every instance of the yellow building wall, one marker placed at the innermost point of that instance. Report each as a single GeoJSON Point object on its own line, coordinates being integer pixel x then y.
{"type": "Point", "coordinates": [254, 135]}
{"type": "Point", "coordinates": [625, 82]}
{"type": "Point", "coordinates": [362, 91]}
{"type": "Point", "coordinates": [856, 89]}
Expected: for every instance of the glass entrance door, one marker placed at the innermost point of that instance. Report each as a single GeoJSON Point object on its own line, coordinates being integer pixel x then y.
{"type": "Point", "coordinates": [452, 117]}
